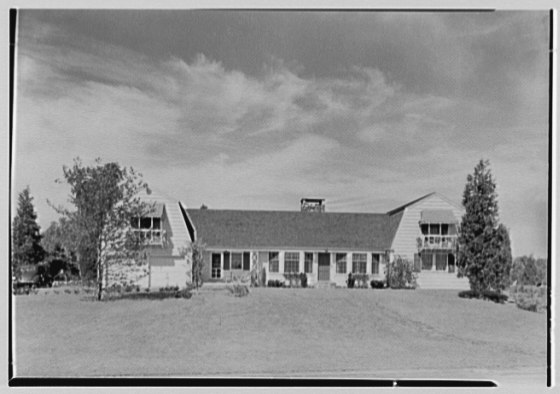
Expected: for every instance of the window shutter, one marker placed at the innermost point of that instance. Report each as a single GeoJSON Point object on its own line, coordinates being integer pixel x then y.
{"type": "Point", "coordinates": [226, 261]}
{"type": "Point", "coordinates": [246, 261]}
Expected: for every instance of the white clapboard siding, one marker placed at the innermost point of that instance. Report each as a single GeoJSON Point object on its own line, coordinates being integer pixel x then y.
{"type": "Point", "coordinates": [168, 266]}
{"type": "Point", "coordinates": [405, 243]}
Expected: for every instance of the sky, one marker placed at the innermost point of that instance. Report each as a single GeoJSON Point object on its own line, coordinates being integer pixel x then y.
{"type": "Point", "coordinates": [257, 109]}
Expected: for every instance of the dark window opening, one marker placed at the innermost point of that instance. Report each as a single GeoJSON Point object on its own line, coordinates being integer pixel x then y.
{"type": "Point", "coordinates": [375, 259]}
{"type": "Point", "coordinates": [308, 258]}
{"type": "Point", "coordinates": [236, 261]}
{"type": "Point", "coordinates": [273, 262]}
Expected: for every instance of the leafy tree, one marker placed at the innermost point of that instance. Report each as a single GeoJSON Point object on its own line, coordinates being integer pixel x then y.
{"type": "Point", "coordinates": [106, 198]}
{"type": "Point", "coordinates": [400, 273]}
{"type": "Point", "coordinates": [195, 252]}
{"type": "Point", "coordinates": [58, 244]}
{"type": "Point", "coordinates": [26, 236]}
{"type": "Point", "coordinates": [484, 244]}
{"type": "Point", "coordinates": [527, 270]}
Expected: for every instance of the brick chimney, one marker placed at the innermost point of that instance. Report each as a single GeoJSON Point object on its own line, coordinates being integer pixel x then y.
{"type": "Point", "coordinates": [312, 205]}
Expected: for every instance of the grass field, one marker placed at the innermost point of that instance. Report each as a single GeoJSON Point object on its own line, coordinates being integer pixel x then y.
{"type": "Point", "coordinates": [277, 332]}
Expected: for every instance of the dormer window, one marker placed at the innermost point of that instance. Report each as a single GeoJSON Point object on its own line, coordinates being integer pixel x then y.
{"type": "Point", "coordinates": [149, 227]}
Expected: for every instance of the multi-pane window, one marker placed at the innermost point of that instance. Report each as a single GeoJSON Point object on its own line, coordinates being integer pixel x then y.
{"type": "Point", "coordinates": [273, 262]}
{"type": "Point", "coordinates": [438, 229]}
{"type": "Point", "coordinates": [236, 261]}
{"type": "Point", "coordinates": [148, 228]}
{"type": "Point", "coordinates": [291, 262]}
{"type": "Point", "coordinates": [359, 263]}
{"type": "Point", "coordinates": [308, 257]}
{"type": "Point", "coordinates": [375, 259]}
{"type": "Point", "coordinates": [341, 263]}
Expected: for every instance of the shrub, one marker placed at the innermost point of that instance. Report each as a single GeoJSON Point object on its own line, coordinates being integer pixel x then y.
{"type": "Point", "coordinates": [238, 289]}
{"type": "Point", "coordinates": [361, 281]}
{"type": "Point", "coordinates": [485, 295]}
{"type": "Point", "coordinates": [350, 281]}
{"type": "Point", "coordinates": [303, 279]}
{"type": "Point", "coordinates": [468, 294]}
{"type": "Point", "coordinates": [400, 274]}
{"type": "Point", "coordinates": [530, 298]}
{"type": "Point", "coordinates": [254, 279]}
{"type": "Point", "coordinates": [494, 296]}
{"type": "Point", "coordinates": [377, 284]}
{"type": "Point", "coordinates": [293, 278]}
{"type": "Point", "coordinates": [172, 292]}
{"type": "Point", "coordinates": [275, 283]}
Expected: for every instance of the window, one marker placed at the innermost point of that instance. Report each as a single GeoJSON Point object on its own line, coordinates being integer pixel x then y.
{"type": "Point", "coordinates": [427, 260]}
{"type": "Point", "coordinates": [375, 259]}
{"type": "Point", "coordinates": [444, 229]}
{"type": "Point", "coordinates": [424, 227]}
{"type": "Point", "coordinates": [226, 261]}
{"type": "Point", "coordinates": [341, 263]}
{"type": "Point", "coordinates": [359, 263]}
{"type": "Point", "coordinates": [273, 264]}
{"type": "Point", "coordinates": [308, 258]}
{"type": "Point", "coordinates": [236, 261]}
{"type": "Point", "coordinates": [434, 229]}
{"type": "Point", "coordinates": [291, 262]}
{"type": "Point", "coordinates": [148, 229]}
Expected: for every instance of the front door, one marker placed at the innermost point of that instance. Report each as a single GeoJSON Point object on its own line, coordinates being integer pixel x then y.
{"type": "Point", "coordinates": [216, 265]}
{"type": "Point", "coordinates": [324, 266]}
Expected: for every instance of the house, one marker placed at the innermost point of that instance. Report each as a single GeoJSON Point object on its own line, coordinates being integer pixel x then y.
{"type": "Point", "coordinates": [167, 235]}
{"type": "Point", "coordinates": [328, 245]}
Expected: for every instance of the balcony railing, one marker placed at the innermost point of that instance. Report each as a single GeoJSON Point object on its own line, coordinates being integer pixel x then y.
{"type": "Point", "coordinates": [439, 242]}
{"type": "Point", "coordinates": [152, 236]}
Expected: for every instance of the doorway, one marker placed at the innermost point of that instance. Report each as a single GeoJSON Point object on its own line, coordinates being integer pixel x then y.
{"type": "Point", "coordinates": [324, 266]}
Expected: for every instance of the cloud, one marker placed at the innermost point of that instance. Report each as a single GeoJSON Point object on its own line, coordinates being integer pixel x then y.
{"type": "Point", "coordinates": [364, 137]}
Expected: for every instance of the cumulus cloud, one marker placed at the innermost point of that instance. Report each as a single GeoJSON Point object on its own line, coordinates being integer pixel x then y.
{"type": "Point", "coordinates": [205, 132]}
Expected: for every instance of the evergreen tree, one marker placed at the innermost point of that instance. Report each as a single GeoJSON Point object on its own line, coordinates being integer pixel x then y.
{"type": "Point", "coordinates": [484, 244]}
{"type": "Point", "coordinates": [26, 236]}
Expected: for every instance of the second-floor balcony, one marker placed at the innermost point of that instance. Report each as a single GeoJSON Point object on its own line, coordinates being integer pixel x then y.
{"type": "Point", "coordinates": [438, 242]}
{"type": "Point", "coordinates": [152, 237]}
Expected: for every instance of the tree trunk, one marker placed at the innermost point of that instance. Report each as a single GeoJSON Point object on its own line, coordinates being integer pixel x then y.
{"type": "Point", "coordinates": [99, 281]}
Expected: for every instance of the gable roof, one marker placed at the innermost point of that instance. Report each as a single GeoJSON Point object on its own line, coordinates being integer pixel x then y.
{"type": "Point", "coordinates": [293, 229]}
{"type": "Point", "coordinates": [402, 207]}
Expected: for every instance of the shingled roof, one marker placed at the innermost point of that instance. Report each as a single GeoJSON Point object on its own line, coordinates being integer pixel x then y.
{"type": "Point", "coordinates": [240, 229]}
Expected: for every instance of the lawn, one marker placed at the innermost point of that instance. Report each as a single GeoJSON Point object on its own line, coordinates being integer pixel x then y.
{"type": "Point", "coordinates": [277, 332]}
